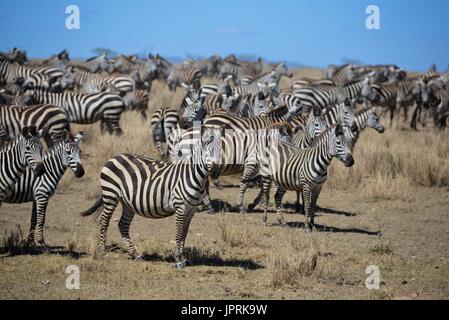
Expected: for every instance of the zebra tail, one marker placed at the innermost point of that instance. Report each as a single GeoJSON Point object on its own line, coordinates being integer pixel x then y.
{"type": "Point", "coordinates": [94, 208]}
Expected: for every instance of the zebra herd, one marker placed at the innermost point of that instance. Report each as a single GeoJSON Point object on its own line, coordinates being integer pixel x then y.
{"type": "Point", "coordinates": [242, 122]}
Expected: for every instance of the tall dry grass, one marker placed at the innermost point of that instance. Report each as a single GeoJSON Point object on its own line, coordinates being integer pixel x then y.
{"type": "Point", "coordinates": [393, 164]}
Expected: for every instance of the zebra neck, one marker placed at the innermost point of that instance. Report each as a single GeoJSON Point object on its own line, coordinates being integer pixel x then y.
{"type": "Point", "coordinates": [54, 161]}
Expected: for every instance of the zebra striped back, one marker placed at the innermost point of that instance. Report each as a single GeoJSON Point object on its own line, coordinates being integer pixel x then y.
{"type": "Point", "coordinates": [50, 117]}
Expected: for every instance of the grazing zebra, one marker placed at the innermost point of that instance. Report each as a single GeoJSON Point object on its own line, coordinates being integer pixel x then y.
{"type": "Point", "coordinates": [95, 64]}
{"type": "Point", "coordinates": [155, 189]}
{"type": "Point", "coordinates": [138, 101]}
{"type": "Point", "coordinates": [24, 151]}
{"type": "Point", "coordinates": [231, 69]}
{"type": "Point", "coordinates": [50, 117]}
{"type": "Point", "coordinates": [300, 169]}
{"type": "Point", "coordinates": [30, 188]}
{"type": "Point", "coordinates": [85, 108]}
{"type": "Point", "coordinates": [187, 74]}
{"type": "Point", "coordinates": [88, 82]}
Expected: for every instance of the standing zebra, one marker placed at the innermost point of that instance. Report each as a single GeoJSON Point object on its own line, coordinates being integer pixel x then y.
{"type": "Point", "coordinates": [367, 118]}
{"type": "Point", "coordinates": [300, 169]}
{"type": "Point", "coordinates": [64, 154]}
{"type": "Point", "coordinates": [187, 74]}
{"type": "Point", "coordinates": [24, 151]}
{"type": "Point", "coordinates": [50, 117]}
{"type": "Point", "coordinates": [89, 82]}
{"type": "Point", "coordinates": [95, 64]}
{"type": "Point", "coordinates": [281, 114]}
{"type": "Point", "coordinates": [85, 108]}
{"type": "Point", "coordinates": [155, 189]}
{"type": "Point", "coordinates": [138, 101]}
{"type": "Point", "coordinates": [162, 123]}
{"type": "Point", "coordinates": [325, 96]}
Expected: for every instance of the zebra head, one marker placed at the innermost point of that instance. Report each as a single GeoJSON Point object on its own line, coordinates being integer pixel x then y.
{"type": "Point", "coordinates": [72, 156]}
{"type": "Point", "coordinates": [340, 146]}
{"type": "Point", "coordinates": [68, 80]}
{"type": "Point", "coordinates": [32, 149]}
{"type": "Point", "coordinates": [316, 124]}
{"type": "Point", "coordinates": [261, 104]}
{"type": "Point", "coordinates": [193, 112]}
{"type": "Point", "coordinates": [345, 112]}
{"type": "Point", "coordinates": [373, 121]}
{"type": "Point", "coordinates": [368, 92]}
{"type": "Point", "coordinates": [210, 149]}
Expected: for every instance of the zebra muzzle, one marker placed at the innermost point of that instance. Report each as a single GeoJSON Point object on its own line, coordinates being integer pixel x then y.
{"type": "Point", "coordinates": [79, 172]}
{"type": "Point", "coordinates": [349, 161]}
{"type": "Point", "coordinates": [39, 170]}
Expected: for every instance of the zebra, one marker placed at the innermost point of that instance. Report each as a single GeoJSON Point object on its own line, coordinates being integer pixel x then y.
{"type": "Point", "coordinates": [24, 151]}
{"type": "Point", "coordinates": [85, 108]}
{"type": "Point", "coordinates": [95, 64]}
{"type": "Point", "coordinates": [325, 96]}
{"type": "Point", "coordinates": [155, 189]}
{"type": "Point", "coordinates": [281, 114]}
{"type": "Point", "coordinates": [15, 55]}
{"type": "Point", "coordinates": [162, 123]}
{"type": "Point", "coordinates": [30, 188]}
{"type": "Point", "coordinates": [300, 169]}
{"type": "Point", "coordinates": [88, 82]}
{"type": "Point", "coordinates": [238, 153]}
{"type": "Point", "coordinates": [11, 72]}
{"type": "Point", "coordinates": [138, 101]}
{"type": "Point", "coordinates": [437, 99]}
{"type": "Point", "coordinates": [209, 67]}
{"type": "Point", "coordinates": [187, 74]}
{"type": "Point", "coordinates": [52, 118]}
{"type": "Point", "coordinates": [363, 119]}
{"type": "Point", "coordinates": [342, 113]}
{"type": "Point", "coordinates": [231, 68]}
{"type": "Point", "coordinates": [59, 60]}
{"type": "Point", "coordinates": [274, 76]}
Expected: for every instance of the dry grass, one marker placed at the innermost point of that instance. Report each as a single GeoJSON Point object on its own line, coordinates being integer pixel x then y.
{"type": "Point", "coordinates": [394, 164]}
{"type": "Point", "coordinates": [295, 259]}
{"type": "Point", "coordinates": [13, 241]}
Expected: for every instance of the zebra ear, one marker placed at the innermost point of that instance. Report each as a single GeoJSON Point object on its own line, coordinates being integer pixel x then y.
{"type": "Point", "coordinates": [78, 137]}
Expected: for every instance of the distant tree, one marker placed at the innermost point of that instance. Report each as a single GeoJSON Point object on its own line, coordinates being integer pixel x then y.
{"type": "Point", "coordinates": [109, 53]}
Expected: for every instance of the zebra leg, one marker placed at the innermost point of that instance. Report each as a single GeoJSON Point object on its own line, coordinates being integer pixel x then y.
{"type": "Point", "coordinates": [256, 201]}
{"type": "Point", "coordinates": [41, 208]}
{"type": "Point", "coordinates": [108, 209]}
{"type": "Point", "coordinates": [30, 240]}
{"type": "Point", "coordinates": [278, 201]}
{"type": "Point", "coordinates": [183, 218]}
{"type": "Point", "coordinates": [307, 197]}
{"type": "Point", "coordinates": [123, 226]}
{"type": "Point", "coordinates": [298, 207]}
{"type": "Point", "coordinates": [248, 172]}
{"type": "Point", "coordinates": [415, 117]}
{"type": "Point", "coordinates": [266, 186]}
{"type": "Point", "coordinates": [392, 110]}
{"type": "Point", "coordinates": [114, 127]}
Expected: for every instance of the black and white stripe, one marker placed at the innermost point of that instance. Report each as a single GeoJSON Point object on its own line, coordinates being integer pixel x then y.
{"type": "Point", "coordinates": [155, 189]}
{"type": "Point", "coordinates": [30, 188]}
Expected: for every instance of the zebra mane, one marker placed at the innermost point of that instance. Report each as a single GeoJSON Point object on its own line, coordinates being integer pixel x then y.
{"type": "Point", "coordinates": [279, 111]}
{"type": "Point", "coordinates": [10, 144]}
{"type": "Point", "coordinates": [322, 137]}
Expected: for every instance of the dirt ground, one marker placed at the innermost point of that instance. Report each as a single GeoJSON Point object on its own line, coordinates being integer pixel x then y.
{"type": "Point", "coordinates": [391, 211]}
{"type": "Point", "coordinates": [407, 240]}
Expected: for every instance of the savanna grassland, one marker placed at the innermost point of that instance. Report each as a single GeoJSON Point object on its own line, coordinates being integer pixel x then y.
{"type": "Point", "coordinates": [391, 209]}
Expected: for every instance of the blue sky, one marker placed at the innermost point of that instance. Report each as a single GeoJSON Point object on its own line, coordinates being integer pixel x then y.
{"type": "Point", "coordinates": [413, 34]}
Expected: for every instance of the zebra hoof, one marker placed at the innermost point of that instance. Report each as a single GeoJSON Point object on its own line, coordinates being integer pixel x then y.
{"type": "Point", "coordinates": [251, 207]}
{"type": "Point", "coordinates": [242, 209]}
{"type": "Point", "coordinates": [181, 264]}
{"type": "Point", "coordinates": [139, 258]}
{"type": "Point", "coordinates": [219, 187]}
